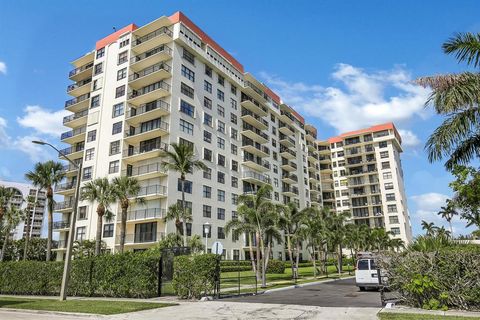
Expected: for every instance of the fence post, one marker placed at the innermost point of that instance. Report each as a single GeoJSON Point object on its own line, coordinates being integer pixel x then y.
{"type": "Point", "coordinates": [382, 293]}
{"type": "Point", "coordinates": [238, 281]}
{"type": "Point", "coordinates": [160, 271]}
{"type": "Point", "coordinates": [217, 282]}
{"type": "Point", "coordinates": [90, 278]}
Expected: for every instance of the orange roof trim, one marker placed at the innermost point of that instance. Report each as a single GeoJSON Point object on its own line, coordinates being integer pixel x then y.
{"type": "Point", "coordinates": [376, 128]}
{"type": "Point", "coordinates": [180, 17]}
{"type": "Point", "coordinates": [114, 36]}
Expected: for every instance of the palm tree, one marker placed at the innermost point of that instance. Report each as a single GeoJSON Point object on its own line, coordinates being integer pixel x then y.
{"type": "Point", "coordinates": [125, 188]}
{"type": "Point", "coordinates": [31, 203]}
{"type": "Point", "coordinates": [6, 195]}
{"type": "Point", "coordinates": [84, 248]}
{"type": "Point", "coordinates": [380, 238]}
{"type": "Point", "coordinates": [180, 216]}
{"type": "Point", "coordinates": [313, 230]}
{"type": "Point", "coordinates": [447, 213]}
{"type": "Point", "coordinates": [335, 223]}
{"type": "Point", "coordinates": [456, 96]}
{"type": "Point", "coordinates": [45, 176]}
{"type": "Point", "coordinates": [102, 192]}
{"type": "Point", "coordinates": [182, 160]}
{"type": "Point", "coordinates": [12, 218]}
{"type": "Point", "coordinates": [429, 227]}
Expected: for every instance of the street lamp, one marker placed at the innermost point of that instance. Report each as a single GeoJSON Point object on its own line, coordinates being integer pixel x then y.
{"type": "Point", "coordinates": [73, 219]}
{"type": "Point", "coordinates": [206, 230]}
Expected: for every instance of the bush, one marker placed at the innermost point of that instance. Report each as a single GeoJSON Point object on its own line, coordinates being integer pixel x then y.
{"type": "Point", "coordinates": [448, 278]}
{"type": "Point", "coordinates": [275, 266]}
{"type": "Point", "coordinates": [132, 275]}
{"type": "Point", "coordinates": [195, 275]}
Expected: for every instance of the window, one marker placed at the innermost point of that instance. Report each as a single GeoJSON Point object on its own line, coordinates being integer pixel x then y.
{"type": "Point", "coordinates": [114, 166]}
{"type": "Point", "coordinates": [87, 173]}
{"type": "Point", "coordinates": [220, 233]}
{"type": "Point", "coordinates": [187, 55]}
{"type": "Point", "coordinates": [117, 110]}
{"type": "Point", "coordinates": [187, 73]}
{"type": "Point", "coordinates": [207, 154]}
{"type": "Point", "coordinates": [207, 119]}
{"type": "Point", "coordinates": [95, 85]}
{"type": "Point", "coordinates": [221, 177]}
{"type": "Point", "coordinates": [187, 187]}
{"type": "Point", "coordinates": [395, 230]}
{"type": "Point", "coordinates": [382, 144]}
{"type": "Point", "coordinates": [187, 108]}
{"type": "Point", "coordinates": [233, 118]}
{"type": "Point", "coordinates": [236, 254]}
{"type": "Point", "coordinates": [233, 89]}
{"type": "Point", "coordinates": [234, 166]}
{"type": "Point", "coordinates": [390, 196]}
{"type": "Point", "coordinates": [121, 74]}
{"type": "Point", "coordinates": [91, 135]}
{"type": "Point", "coordinates": [233, 149]}
{"type": "Point", "coordinates": [221, 143]}
{"type": "Point", "coordinates": [220, 95]}
{"type": "Point", "coordinates": [384, 154]}
{"type": "Point", "coordinates": [393, 220]}
{"type": "Point", "coordinates": [220, 126]}
{"type": "Point", "coordinates": [81, 233]}
{"type": "Point", "coordinates": [234, 133]}
{"type": "Point", "coordinates": [124, 43]}
{"type": "Point", "coordinates": [207, 211]}
{"type": "Point", "coordinates": [98, 68]}
{"type": "Point", "coordinates": [207, 192]}
{"type": "Point", "coordinates": [386, 165]}
{"type": "Point", "coordinates": [234, 182]}
{"type": "Point", "coordinates": [221, 195]}
{"type": "Point", "coordinates": [207, 136]}
{"type": "Point", "coordinates": [275, 168]}
{"type": "Point", "coordinates": [221, 80]}
{"type": "Point", "coordinates": [108, 230]}
{"type": "Point", "coordinates": [221, 111]}
{"type": "Point", "coordinates": [392, 208]}
{"type": "Point", "coordinates": [387, 175]}
{"type": "Point", "coordinates": [207, 86]}
{"type": "Point", "coordinates": [120, 91]}
{"type": "Point", "coordinates": [221, 160]}
{"type": "Point", "coordinates": [207, 103]}
{"type": "Point", "coordinates": [117, 127]}
{"type": "Point", "coordinates": [389, 186]}
{"type": "Point", "coordinates": [208, 71]}
{"type": "Point", "coordinates": [100, 52]}
{"type": "Point", "coordinates": [115, 147]}
{"type": "Point", "coordinates": [234, 199]}
{"type": "Point", "coordinates": [95, 102]}
{"type": "Point", "coordinates": [186, 127]}
{"type": "Point", "coordinates": [89, 153]}
{"type": "Point", "coordinates": [208, 228]}
{"type": "Point", "coordinates": [207, 173]}
{"type": "Point", "coordinates": [122, 57]}
{"type": "Point", "coordinates": [233, 103]}
{"type": "Point", "coordinates": [186, 90]}
{"type": "Point", "coordinates": [220, 214]}
{"type": "Point", "coordinates": [82, 213]}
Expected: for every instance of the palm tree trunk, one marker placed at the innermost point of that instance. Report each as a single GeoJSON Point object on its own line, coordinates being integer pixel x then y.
{"type": "Point", "coordinates": [50, 226]}
{"type": "Point", "coordinates": [27, 236]}
{"type": "Point", "coordinates": [123, 228]}
{"type": "Point", "coordinates": [250, 248]}
{"type": "Point", "coordinates": [297, 258]}
{"type": "Point", "coordinates": [264, 266]}
{"type": "Point", "coordinates": [340, 259]}
{"type": "Point", "coordinates": [4, 247]}
{"type": "Point", "coordinates": [184, 213]}
{"type": "Point", "coordinates": [314, 263]}
{"type": "Point", "coordinates": [98, 238]}
{"type": "Point", "coordinates": [451, 228]}
{"type": "Point", "coordinates": [259, 267]}
{"type": "Point", "coordinates": [289, 248]}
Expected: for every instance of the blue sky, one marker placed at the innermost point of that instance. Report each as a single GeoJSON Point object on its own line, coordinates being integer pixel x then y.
{"type": "Point", "coordinates": [342, 64]}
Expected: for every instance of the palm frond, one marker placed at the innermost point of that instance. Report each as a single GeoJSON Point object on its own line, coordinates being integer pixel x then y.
{"type": "Point", "coordinates": [465, 47]}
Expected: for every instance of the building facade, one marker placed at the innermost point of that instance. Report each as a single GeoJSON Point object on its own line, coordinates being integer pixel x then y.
{"type": "Point", "coordinates": [143, 88]}
{"type": "Point", "coordinates": [37, 212]}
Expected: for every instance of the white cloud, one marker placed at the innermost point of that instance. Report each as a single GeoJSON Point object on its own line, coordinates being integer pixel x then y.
{"type": "Point", "coordinates": [5, 173]}
{"type": "Point", "coordinates": [360, 99]}
{"type": "Point", "coordinates": [409, 139]}
{"type": "Point", "coordinates": [4, 138]}
{"type": "Point", "coordinates": [43, 121]}
{"type": "Point", "coordinates": [430, 201]}
{"type": "Point", "coordinates": [3, 67]}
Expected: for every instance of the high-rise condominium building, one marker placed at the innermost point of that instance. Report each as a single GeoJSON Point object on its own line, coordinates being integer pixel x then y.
{"type": "Point", "coordinates": [366, 178]}
{"type": "Point", "coordinates": [22, 191]}
{"type": "Point", "coordinates": [143, 88]}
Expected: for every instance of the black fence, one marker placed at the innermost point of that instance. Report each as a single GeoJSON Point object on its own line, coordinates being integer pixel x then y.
{"type": "Point", "coordinates": [236, 279]}
{"type": "Point", "coordinates": [387, 294]}
{"type": "Point", "coordinates": [165, 269]}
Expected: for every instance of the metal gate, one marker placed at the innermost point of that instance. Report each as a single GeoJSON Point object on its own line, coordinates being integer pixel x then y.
{"type": "Point", "coordinates": [235, 283]}
{"type": "Point", "coordinates": [165, 269]}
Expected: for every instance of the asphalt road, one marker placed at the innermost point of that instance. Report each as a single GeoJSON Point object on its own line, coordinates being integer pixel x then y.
{"type": "Point", "coordinates": [340, 293]}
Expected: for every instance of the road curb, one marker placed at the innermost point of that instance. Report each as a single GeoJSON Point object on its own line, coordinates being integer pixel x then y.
{"type": "Point", "coordinates": [58, 313]}
{"type": "Point", "coordinates": [404, 309]}
{"type": "Point", "coordinates": [305, 285]}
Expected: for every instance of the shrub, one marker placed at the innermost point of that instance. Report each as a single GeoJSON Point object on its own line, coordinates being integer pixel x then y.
{"type": "Point", "coordinates": [275, 266]}
{"type": "Point", "coordinates": [195, 275]}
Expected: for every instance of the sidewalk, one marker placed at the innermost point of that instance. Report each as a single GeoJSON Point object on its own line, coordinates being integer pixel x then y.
{"type": "Point", "coordinates": [403, 309]}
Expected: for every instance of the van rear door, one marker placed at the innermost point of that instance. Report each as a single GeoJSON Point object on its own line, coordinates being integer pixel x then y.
{"type": "Point", "coordinates": [362, 273]}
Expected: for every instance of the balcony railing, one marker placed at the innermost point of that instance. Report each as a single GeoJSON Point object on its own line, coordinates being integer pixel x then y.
{"type": "Point", "coordinates": [147, 89]}
{"type": "Point", "coordinates": [289, 163]}
{"type": "Point", "coordinates": [150, 213]}
{"type": "Point", "coordinates": [152, 190]}
{"type": "Point", "coordinates": [76, 100]}
{"type": "Point", "coordinates": [64, 186]}
{"type": "Point", "coordinates": [80, 69]}
{"type": "Point", "coordinates": [162, 48]}
{"type": "Point", "coordinates": [250, 157]}
{"type": "Point", "coordinates": [246, 112]}
{"type": "Point", "coordinates": [139, 130]}
{"type": "Point", "coordinates": [145, 169]}
{"type": "Point", "coordinates": [159, 146]}
{"type": "Point", "coordinates": [150, 70]}
{"type": "Point", "coordinates": [75, 116]}
{"type": "Point", "coordinates": [283, 149]}
{"type": "Point", "coordinates": [143, 237]}
{"type": "Point", "coordinates": [256, 145]}
{"type": "Point", "coordinates": [71, 150]}
{"type": "Point", "coordinates": [247, 98]}
{"type": "Point", "coordinates": [290, 189]}
{"type": "Point", "coordinates": [256, 176]}
{"type": "Point", "coordinates": [61, 225]}
{"type": "Point", "coordinates": [73, 133]}
{"type": "Point", "coordinates": [63, 205]}
{"type": "Point", "coordinates": [247, 126]}
{"type": "Point", "coordinates": [60, 244]}
{"type": "Point", "coordinates": [290, 176]}
{"type": "Point", "coordinates": [151, 35]}
{"type": "Point", "coordinates": [147, 107]}
{"type": "Point", "coordinates": [78, 84]}
{"type": "Point", "coordinates": [284, 137]}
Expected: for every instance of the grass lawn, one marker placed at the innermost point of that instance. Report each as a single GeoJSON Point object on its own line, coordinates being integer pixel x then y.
{"type": "Point", "coordinates": [410, 316]}
{"type": "Point", "coordinates": [84, 306]}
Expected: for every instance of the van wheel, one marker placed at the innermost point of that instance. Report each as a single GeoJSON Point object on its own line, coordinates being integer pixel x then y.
{"type": "Point", "coordinates": [362, 288]}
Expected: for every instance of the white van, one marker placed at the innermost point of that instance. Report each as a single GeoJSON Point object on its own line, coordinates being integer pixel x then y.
{"type": "Point", "coordinates": [366, 274]}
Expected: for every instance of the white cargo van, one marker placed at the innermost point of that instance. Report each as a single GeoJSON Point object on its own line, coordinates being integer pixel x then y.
{"type": "Point", "coordinates": [366, 274]}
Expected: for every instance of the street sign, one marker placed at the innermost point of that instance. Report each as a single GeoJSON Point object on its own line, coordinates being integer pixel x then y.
{"type": "Point", "coordinates": [217, 247]}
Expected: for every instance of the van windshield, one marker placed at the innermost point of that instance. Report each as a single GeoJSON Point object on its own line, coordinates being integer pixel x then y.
{"type": "Point", "coordinates": [362, 265]}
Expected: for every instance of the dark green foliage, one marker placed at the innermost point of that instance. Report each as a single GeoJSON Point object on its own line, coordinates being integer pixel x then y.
{"type": "Point", "coordinates": [231, 265]}
{"type": "Point", "coordinates": [37, 249]}
{"type": "Point", "coordinates": [275, 266]}
{"type": "Point", "coordinates": [121, 275]}
{"type": "Point", "coordinates": [195, 275]}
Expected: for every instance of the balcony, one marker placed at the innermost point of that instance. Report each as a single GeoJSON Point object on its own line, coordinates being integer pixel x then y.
{"type": "Point", "coordinates": [255, 148]}
{"type": "Point", "coordinates": [148, 111]}
{"type": "Point", "coordinates": [311, 146]}
{"type": "Point", "coordinates": [61, 225]}
{"type": "Point", "coordinates": [79, 88]}
{"type": "Point", "coordinates": [255, 163]}
{"type": "Point", "coordinates": [59, 245]}
{"type": "Point", "coordinates": [149, 93]}
{"type": "Point", "coordinates": [287, 153]}
{"type": "Point", "coordinates": [64, 206]}
{"type": "Point", "coordinates": [77, 119]}
{"type": "Point", "coordinates": [324, 159]}
{"type": "Point", "coordinates": [134, 154]}
{"type": "Point", "coordinates": [78, 104]}
{"type": "Point", "coordinates": [82, 72]}
{"type": "Point", "coordinates": [253, 91]}
{"type": "Point", "coordinates": [289, 178]}
{"type": "Point", "coordinates": [288, 165]}
{"type": "Point", "coordinates": [254, 133]}
{"type": "Point", "coordinates": [148, 171]}
{"type": "Point", "coordinates": [152, 40]}
{"type": "Point", "coordinates": [74, 136]}
{"type": "Point", "coordinates": [65, 188]}
{"type": "Point", "coordinates": [254, 107]}
{"type": "Point", "coordinates": [151, 74]}
{"type": "Point", "coordinates": [286, 117]}
{"type": "Point", "coordinates": [287, 141]}
{"type": "Point", "coordinates": [132, 239]}
{"type": "Point", "coordinates": [152, 192]}
{"type": "Point", "coordinates": [312, 156]}
{"type": "Point", "coordinates": [254, 119]}
{"type": "Point", "coordinates": [156, 128]}
{"type": "Point", "coordinates": [290, 191]}
{"type": "Point", "coordinates": [148, 58]}
{"type": "Point", "coordinates": [144, 214]}
{"type": "Point", "coordinates": [286, 129]}
{"type": "Point", "coordinates": [255, 177]}
{"type": "Point", "coordinates": [73, 152]}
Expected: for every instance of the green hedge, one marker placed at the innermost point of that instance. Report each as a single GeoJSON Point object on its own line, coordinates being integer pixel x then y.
{"type": "Point", "coordinates": [195, 275]}
{"type": "Point", "coordinates": [275, 266]}
{"type": "Point", "coordinates": [132, 275]}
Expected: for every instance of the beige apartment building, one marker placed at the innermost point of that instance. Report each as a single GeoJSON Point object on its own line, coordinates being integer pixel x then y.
{"type": "Point", "coordinates": [143, 88]}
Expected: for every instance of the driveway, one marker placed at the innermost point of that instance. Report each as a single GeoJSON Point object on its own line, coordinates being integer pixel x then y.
{"type": "Point", "coordinates": [340, 293]}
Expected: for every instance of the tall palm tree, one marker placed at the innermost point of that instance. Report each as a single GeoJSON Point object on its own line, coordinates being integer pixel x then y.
{"type": "Point", "coordinates": [45, 176]}
{"type": "Point", "coordinates": [429, 227]}
{"type": "Point", "coordinates": [125, 188]}
{"type": "Point", "coordinates": [6, 195]}
{"type": "Point", "coordinates": [31, 203]}
{"type": "Point", "coordinates": [380, 238]}
{"type": "Point", "coordinates": [313, 230]}
{"type": "Point", "coordinates": [448, 212]}
{"type": "Point", "coordinates": [180, 217]}
{"type": "Point", "coordinates": [182, 160]}
{"type": "Point", "coordinates": [335, 223]}
{"type": "Point", "coordinates": [456, 96]}
{"type": "Point", "coordinates": [12, 218]}
{"type": "Point", "coordinates": [99, 191]}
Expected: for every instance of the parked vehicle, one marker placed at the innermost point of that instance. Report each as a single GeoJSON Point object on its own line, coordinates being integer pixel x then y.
{"type": "Point", "coordinates": [366, 272]}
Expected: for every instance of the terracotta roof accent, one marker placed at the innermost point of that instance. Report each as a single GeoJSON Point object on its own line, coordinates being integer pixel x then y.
{"type": "Point", "coordinates": [114, 36]}
{"type": "Point", "coordinates": [376, 128]}
{"type": "Point", "coordinates": [272, 94]}
{"type": "Point", "coordinates": [180, 17]}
